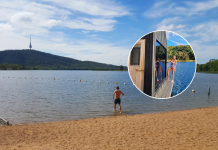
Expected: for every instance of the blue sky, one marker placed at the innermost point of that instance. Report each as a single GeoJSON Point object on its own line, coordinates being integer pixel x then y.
{"type": "Point", "coordinates": [174, 39]}
{"type": "Point", "coordinates": [170, 43]}
{"type": "Point", "coordinates": [105, 31]}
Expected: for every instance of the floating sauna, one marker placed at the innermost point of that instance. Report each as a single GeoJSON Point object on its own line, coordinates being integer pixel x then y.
{"type": "Point", "coordinates": [141, 65]}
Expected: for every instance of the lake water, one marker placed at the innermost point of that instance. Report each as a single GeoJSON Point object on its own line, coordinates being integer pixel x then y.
{"type": "Point", "coordinates": [183, 76]}
{"type": "Point", "coordinates": [40, 98]}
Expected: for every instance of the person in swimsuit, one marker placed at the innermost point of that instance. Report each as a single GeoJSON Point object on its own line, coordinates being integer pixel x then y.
{"type": "Point", "coordinates": [117, 100]}
{"type": "Point", "coordinates": [157, 66]}
{"type": "Point", "coordinates": [173, 67]}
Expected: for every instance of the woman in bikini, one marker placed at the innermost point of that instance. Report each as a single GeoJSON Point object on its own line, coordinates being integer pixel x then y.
{"type": "Point", "coordinates": [173, 67]}
{"type": "Point", "coordinates": [157, 66]}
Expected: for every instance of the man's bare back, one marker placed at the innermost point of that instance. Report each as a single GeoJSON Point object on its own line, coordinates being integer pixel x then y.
{"type": "Point", "coordinates": [117, 100]}
{"type": "Point", "coordinates": [117, 94]}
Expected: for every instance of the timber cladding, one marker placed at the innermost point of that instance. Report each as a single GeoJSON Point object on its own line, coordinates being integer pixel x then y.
{"type": "Point", "coordinates": [136, 66]}
{"type": "Point", "coordinates": [149, 55]}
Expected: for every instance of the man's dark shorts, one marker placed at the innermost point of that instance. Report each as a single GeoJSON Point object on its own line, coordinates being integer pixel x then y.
{"type": "Point", "coordinates": [117, 101]}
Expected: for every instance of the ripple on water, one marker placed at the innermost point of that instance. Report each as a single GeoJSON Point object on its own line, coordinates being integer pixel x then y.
{"type": "Point", "coordinates": [57, 100]}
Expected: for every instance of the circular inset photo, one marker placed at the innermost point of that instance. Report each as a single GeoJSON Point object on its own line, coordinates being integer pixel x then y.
{"type": "Point", "coordinates": [162, 64]}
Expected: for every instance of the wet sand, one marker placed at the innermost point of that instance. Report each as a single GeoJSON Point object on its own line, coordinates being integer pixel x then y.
{"type": "Point", "coordinates": [180, 130]}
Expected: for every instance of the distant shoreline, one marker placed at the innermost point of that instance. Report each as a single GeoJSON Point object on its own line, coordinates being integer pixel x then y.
{"type": "Point", "coordinates": [58, 70]}
{"type": "Point", "coordinates": [215, 72]}
{"type": "Point", "coordinates": [184, 60]}
{"type": "Point", "coordinates": [109, 70]}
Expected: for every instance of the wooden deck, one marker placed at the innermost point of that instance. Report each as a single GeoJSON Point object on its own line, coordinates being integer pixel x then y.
{"type": "Point", "coordinates": [164, 89]}
{"type": "Point", "coordinates": [159, 84]}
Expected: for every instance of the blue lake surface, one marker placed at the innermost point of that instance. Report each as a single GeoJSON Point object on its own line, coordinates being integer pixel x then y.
{"type": "Point", "coordinates": [40, 98]}
{"type": "Point", "coordinates": [183, 76]}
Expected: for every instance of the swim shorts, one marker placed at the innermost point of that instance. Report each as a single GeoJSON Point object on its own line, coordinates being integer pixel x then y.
{"type": "Point", "coordinates": [117, 101]}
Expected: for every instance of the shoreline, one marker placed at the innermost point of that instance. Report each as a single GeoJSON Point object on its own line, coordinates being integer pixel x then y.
{"type": "Point", "coordinates": [58, 70]}
{"type": "Point", "coordinates": [117, 115]}
{"type": "Point", "coordinates": [184, 60]}
{"type": "Point", "coordinates": [183, 129]}
{"type": "Point", "coordinates": [212, 72]}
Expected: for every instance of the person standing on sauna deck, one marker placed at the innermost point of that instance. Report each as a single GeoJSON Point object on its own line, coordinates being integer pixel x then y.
{"type": "Point", "coordinates": [117, 100]}
{"type": "Point", "coordinates": [173, 67]}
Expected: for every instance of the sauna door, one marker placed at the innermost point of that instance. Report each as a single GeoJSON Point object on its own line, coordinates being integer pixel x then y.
{"type": "Point", "coordinates": [136, 64]}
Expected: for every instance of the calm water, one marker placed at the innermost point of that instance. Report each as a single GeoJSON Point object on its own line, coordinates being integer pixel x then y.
{"type": "Point", "coordinates": [42, 100]}
{"type": "Point", "coordinates": [183, 76]}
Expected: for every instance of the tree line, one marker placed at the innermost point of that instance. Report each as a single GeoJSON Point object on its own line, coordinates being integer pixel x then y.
{"type": "Point", "coordinates": [182, 52]}
{"type": "Point", "coordinates": [6, 66]}
{"type": "Point", "coordinates": [209, 66]}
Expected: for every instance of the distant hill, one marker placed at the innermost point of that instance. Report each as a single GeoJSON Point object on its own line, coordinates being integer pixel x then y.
{"type": "Point", "coordinates": [36, 60]}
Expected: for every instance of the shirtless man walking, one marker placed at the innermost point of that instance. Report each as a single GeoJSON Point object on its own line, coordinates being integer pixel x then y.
{"type": "Point", "coordinates": [117, 100]}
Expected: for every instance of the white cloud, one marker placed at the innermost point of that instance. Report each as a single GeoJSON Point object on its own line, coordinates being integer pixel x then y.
{"type": "Point", "coordinates": [91, 24]}
{"type": "Point", "coordinates": [169, 24]}
{"type": "Point", "coordinates": [51, 23]}
{"type": "Point", "coordinates": [180, 26]}
{"type": "Point", "coordinates": [195, 8]}
{"type": "Point", "coordinates": [160, 9]}
{"type": "Point", "coordinates": [176, 38]}
{"type": "Point", "coordinates": [27, 19]}
{"type": "Point", "coordinates": [169, 20]}
{"type": "Point", "coordinates": [206, 31]}
{"type": "Point", "coordinates": [104, 8]}
{"type": "Point", "coordinates": [5, 27]}
{"type": "Point", "coordinates": [26, 15]}
{"type": "Point", "coordinates": [23, 17]}
{"type": "Point", "coordinates": [93, 35]}
{"type": "Point", "coordinates": [96, 52]}
{"type": "Point", "coordinates": [173, 24]}
{"type": "Point", "coordinates": [9, 8]}
{"type": "Point", "coordinates": [203, 51]}
{"type": "Point", "coordinates": [163, 8]}
{"type": "Point", "coordinates": [6, 13]}
{"type": "Point", "coordinates": [85, 31]}
{"type": "Point", "coordinates": [170, 27]}
{"type": "Point", "coordinates": [61, 45]}
{"type": "Point", "coordinates": [22, 21]}
{"type": "Point", "coordinates": [44, 21]}
{"type": "Point", "coordinates": [170, 35]}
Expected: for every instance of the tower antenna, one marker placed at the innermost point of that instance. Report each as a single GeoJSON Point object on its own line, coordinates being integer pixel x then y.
{"type": "Point", "coordinates": [30, 43]}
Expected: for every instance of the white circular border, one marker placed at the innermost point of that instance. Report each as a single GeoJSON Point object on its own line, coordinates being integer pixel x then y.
{"type": "Point", "coordinates": [189, 83]}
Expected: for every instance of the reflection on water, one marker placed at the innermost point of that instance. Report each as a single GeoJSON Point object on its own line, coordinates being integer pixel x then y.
{"type": "Point", "coordinates": [183, 76]}
{"type": "Point", "coordinates": [43, 100]}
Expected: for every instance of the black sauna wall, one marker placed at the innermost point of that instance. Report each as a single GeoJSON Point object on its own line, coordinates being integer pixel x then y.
{"type": "Point", "coordinates": [150, 50]}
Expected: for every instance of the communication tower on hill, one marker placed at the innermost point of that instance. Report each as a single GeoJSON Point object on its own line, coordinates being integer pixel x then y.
{"type": "Point", "coordinates": [30, 43]}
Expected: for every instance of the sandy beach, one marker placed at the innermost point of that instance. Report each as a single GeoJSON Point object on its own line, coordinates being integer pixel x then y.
{"type": "Point", "coordinates": [180, 130]}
